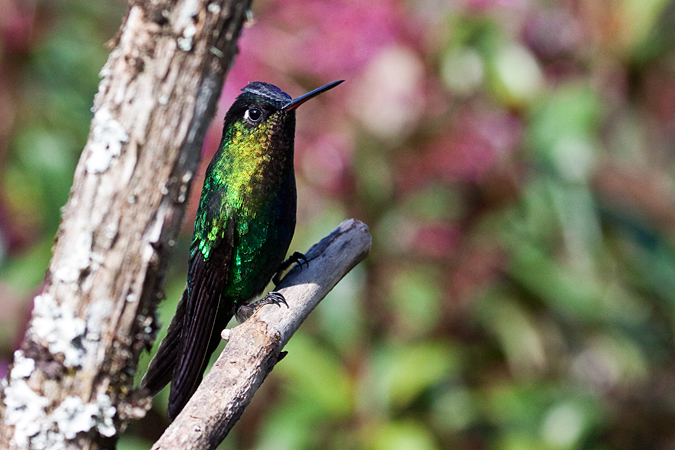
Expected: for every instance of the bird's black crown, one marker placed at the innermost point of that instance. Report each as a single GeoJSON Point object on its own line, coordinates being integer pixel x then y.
{"type": "Point", "coordinates": [269, 92]}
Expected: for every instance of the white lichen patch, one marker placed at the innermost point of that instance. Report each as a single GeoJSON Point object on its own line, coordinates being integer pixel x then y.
{"type": "Point", "coordinates": [185, 41]}
{"type": "Point", "coordinates": [33, 427]}
{"type": "Point", "coordinates": [98, 314]}
{"type": "Point", "coordinates": [60, 329]}
{"type": "Point", "coordinates": [104, 416]}
{"type": "Point", "coordinates": [78, 259]}
{"type": "Point", "coordinates": [22, 367]}
{"type": "Point", "coordinates": [65, 334]}
{"type": "Point", "coordinates": [25, 410]}
{"type": "Point", "coordinates": [73, 416]}
{"type": "Point", "coordinates": [108, 135]}
{"type": "Point", "coordinates": [23, 407]}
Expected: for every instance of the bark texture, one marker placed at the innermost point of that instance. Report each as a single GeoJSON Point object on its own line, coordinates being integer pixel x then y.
{"type": "Point", "coordinates": [253, 347]}
{"type": "Point", "coordinates": [71, 383]}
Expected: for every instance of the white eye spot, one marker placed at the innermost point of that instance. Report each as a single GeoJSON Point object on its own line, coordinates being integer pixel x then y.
{"type": "Point", "coordinates": [253, 115]}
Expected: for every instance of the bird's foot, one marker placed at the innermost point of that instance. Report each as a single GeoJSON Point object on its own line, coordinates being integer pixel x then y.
{"type": "Point", "coordinates": [295, 258]}
{"type": "Point", "coordinates": [272, 298]}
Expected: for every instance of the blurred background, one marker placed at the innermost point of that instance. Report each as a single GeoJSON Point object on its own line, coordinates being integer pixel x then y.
{"type": "Point", "coordinates": [514, 162]}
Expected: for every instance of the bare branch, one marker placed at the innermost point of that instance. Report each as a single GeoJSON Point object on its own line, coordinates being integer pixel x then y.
{"type": "Point", "coordinates": [253, 347]}
{"type": "Point", "coordinates": [72, 382]}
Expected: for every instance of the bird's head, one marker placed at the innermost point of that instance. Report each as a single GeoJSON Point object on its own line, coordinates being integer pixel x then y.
{"type": "Point", "coordinates": [264, 114]}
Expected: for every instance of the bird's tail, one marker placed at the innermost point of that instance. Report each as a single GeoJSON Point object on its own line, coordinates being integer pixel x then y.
{"type": "Point", "coordinates": [161, 367]}
{"type": "Point", "coordinates": [193, 358]}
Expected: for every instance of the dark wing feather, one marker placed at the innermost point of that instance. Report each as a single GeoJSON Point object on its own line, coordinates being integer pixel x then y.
{"type": "Point", "coordinates": [199, 335]}
{"type": "Point", "coordinates": [161, 367]}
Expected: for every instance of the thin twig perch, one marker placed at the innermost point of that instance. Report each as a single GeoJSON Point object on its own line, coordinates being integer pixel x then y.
{"type": "Point", "coordinates": [253, 347]}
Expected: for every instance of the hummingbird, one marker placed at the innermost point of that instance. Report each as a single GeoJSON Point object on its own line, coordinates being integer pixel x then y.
{"type": "Point", "coordinates": [243, 229]}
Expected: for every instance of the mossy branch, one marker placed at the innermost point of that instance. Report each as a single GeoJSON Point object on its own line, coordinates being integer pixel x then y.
{"type": "Point", "coordinates": [71, 385]}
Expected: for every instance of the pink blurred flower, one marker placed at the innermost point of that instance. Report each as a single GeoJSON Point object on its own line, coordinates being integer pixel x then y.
{"type": "Point", "coordinates": [339, 36]}
{"type": "Point", "coordinates": [325, 39]}
{"type": "Point", "coordinates": [325, 161]}
{"type": "Point", "coordinates": [482, 5]}
{"type": "Point", "coordinates": [389, 97]}
{"type": "Point", "coordinates": [436, 241]}
{"type": "Point", "coordinates": [16, 25]}
{"type": "Point", "coordinates": [553, 33]}
{"type": "Point", "coordinates": [475, 145]}
{"type": "Point", "coordinates": [480, 265]}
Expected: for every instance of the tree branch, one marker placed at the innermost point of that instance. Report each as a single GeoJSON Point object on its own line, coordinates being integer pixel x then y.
{"type": "Point", "coordinates": [253, 347]}
{"type": "Point", "coordinates": [72, 382]}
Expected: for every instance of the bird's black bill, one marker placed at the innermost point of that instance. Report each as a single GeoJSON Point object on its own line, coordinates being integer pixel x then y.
{"type": "Point", "coordinates": [303, 98]}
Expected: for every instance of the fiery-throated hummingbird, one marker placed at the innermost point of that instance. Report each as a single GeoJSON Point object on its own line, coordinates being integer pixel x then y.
{"type": "Point", "coordinates": [244, 226]}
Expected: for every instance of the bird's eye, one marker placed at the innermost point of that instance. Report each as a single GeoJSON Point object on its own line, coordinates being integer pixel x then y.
{"type": "Point", "coordinates": [253, 115]}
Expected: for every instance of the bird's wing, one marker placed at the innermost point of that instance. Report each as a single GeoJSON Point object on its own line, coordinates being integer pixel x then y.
{"type": "Point", "coordinates": [206, 280]}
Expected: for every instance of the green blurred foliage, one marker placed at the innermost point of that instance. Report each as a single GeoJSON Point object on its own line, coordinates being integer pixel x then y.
{"type": "Point", "coordinates": [514, 161]}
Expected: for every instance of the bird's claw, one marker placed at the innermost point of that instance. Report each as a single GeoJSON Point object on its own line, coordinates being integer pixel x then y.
{"type": "Point", "coordinates": [272, 298]}
{"type": "Point", "coordinates": [297, 258]}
